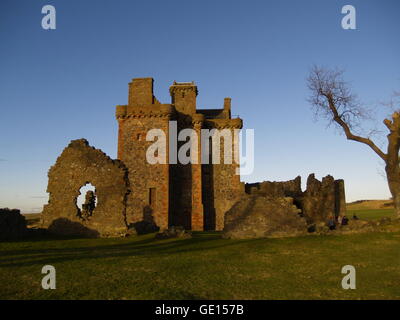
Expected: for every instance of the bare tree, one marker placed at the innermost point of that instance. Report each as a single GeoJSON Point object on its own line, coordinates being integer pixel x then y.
{"type": "Point", "coordinates": [333, 100]}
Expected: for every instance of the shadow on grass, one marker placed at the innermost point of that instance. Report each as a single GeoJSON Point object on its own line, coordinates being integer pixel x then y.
{"type": "Point", "coordinates": [138, 246]}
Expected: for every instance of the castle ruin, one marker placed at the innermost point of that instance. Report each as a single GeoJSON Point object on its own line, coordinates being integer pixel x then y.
{"type": "Point", "coordinates": [133, 193]}
{"type": "Point", "coordinates": [194, 196]}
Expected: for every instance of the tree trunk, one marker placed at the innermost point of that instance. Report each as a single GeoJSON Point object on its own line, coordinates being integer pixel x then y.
{"type": "Point", "coordinates": [392, 159]}
{"type": "Point", "coordinates": [393, 178]}
{"type": "Point", "coordinates": [396, 202]}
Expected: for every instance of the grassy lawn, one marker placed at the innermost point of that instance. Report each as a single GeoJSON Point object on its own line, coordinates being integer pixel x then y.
{"type": "Point", "coordinates": [204, 267]}
{"type": "Point", "coordinates": [371, 214]}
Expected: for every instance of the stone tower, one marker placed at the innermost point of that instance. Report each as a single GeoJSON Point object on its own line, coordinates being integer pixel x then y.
{"type": "Point", "coordinates": [193, 195]}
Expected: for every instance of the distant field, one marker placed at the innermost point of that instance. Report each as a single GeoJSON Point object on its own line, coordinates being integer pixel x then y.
{"type": "Point", "coordinates": [371, 214]}
{"type": "Point", "coordinates": [32, 219]}
{"type": "Point", "coordinates": [370, 204]}
{"type": "Point", "coordinates": [371, 209]}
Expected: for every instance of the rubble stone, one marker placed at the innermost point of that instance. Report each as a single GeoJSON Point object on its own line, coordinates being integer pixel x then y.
{"type": "Point", "coordinates": [256, 216]}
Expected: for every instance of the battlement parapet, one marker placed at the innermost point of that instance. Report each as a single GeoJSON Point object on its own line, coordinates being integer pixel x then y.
{"type": "Point", "coordinates": [235, 123]}
{"type": "Point", "coordinates": [156, 111]}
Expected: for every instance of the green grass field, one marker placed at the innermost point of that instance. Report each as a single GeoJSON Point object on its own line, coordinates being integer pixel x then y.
{"type": "Point", "coordinates": [371, 214]}
{"type": "Point", "coordinates": [204, 267]}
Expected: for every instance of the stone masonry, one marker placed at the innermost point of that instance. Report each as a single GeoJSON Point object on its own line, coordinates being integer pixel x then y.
{"type": "Point", "coordinates": [281, 209]}
{"type": "Point", "coordinates": [317, 203]}
{"type": "Point", "coordinates": [78, 165]}
{"type": "Point", "coordinates": [131, 192]}
{"type": "Point", "coordinates": [195, 196]}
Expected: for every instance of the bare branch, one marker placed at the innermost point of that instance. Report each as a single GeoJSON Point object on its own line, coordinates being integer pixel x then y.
{"type": "Point", "coordinates": [333, 100]}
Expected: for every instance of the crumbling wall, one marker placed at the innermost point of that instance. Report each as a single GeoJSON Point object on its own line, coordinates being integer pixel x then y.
{"type": "Point", "coordinates": [78, 165]}
{"type": "Point", "coordinates": [257, 216]}
{"type": "Point", "coordinates": [318, 202]}
{"type": "Point", "coordinates": [323, 199]}
{"type": "Point", "coordinates": [291, 188]}
{"type": "Point", "coordinates": [340, 204]}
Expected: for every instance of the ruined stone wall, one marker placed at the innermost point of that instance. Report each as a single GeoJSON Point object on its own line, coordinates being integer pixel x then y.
{"type": "Point", "coordinates": [257, 216]}
{"type": "Point", "coordinates": [323, 199]}
{"type": "Point", "coordinates": [318, 202]}
{"type": "Point", "coordinates": [78, 165]}
{"type": "Point", "coordinates": [340, 204]}
{"type": "Point", "coordinates": [291, 188]}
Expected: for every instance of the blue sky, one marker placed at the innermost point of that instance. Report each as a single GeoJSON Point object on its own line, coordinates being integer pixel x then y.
{"type": "Point", "coordinates": [63, 84]}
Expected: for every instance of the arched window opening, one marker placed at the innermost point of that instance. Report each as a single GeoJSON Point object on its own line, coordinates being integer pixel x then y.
{"type": "Point", "coordinates": [86, 201]}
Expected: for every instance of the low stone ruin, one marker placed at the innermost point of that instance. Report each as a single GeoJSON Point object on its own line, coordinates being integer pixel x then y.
{"type": "Point", "coordinates": [256, 216]}
{"type": "Point", "coordinates": [174, 232]}
{"type": "Point", "coordinates": [12, 224]}
{"type": "Point", "coordinates": [291, 188]}
{"type": "Point", "coordinates": [385, 224]}
{"type": "Point", "coordinates": [282, 208]}
{"type": "Point", "coordinates": [318, 202]}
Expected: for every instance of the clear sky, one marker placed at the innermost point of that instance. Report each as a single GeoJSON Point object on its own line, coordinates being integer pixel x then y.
{"type": "Point", "coordinates": [63, 84]}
